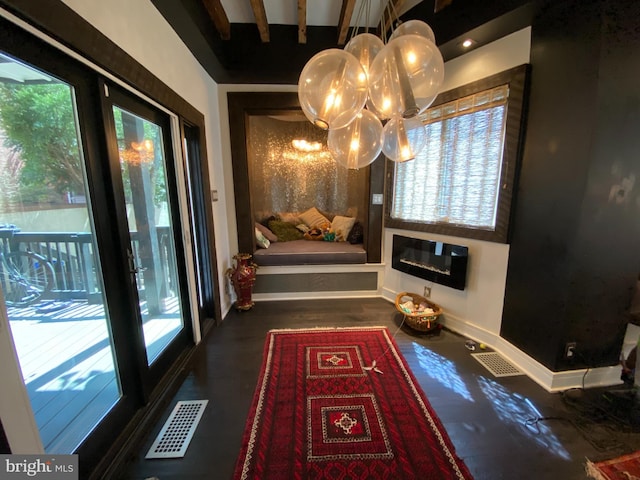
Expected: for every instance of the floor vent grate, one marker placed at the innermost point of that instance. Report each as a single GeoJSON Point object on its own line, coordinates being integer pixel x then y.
{"type": "Point", "coordinates": [497, 365]}
{"type": "Point", "coordinates": [173, 440]}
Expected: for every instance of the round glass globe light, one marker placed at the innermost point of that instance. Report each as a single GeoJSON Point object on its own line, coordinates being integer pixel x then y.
{"type": "Point", "coordinates": [403, 138]}
{"type": "Point", "coordinates": [414, 27]}
{"type": "Point", "coordinates": [332, 88]}
{"type": "Point", "coordinates": [406, 76]}
{"type": "Point", "coordinates": [364, 47]}
{"type": "Point", "coordinates": [359, 143]}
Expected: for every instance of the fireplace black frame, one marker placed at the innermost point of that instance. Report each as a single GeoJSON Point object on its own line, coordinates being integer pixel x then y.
{"type": "Point", "coordinates": [439, 262]}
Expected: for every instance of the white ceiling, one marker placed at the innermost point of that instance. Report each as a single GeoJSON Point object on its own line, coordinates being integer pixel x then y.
{"type": "Point", "coordinates": [319, 12]}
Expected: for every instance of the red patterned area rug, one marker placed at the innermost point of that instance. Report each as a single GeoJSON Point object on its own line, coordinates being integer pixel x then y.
{"type": "Point", "coordinates": [341, 403]}
{"type": "Point", "coordinates": [626, 467]}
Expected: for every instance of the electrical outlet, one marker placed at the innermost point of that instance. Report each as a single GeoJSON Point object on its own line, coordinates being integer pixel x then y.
{"type": "Point", "coordinates": [427, 292]}
{"type": "Point", "coordinates": [570, 350]}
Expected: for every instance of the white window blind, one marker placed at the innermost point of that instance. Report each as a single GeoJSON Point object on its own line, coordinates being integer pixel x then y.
{"type": "Point", "coordinates": [455, 179]}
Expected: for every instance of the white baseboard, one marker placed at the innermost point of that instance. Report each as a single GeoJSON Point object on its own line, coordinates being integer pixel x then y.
{"type": "Point", "coordinates": [547, 379]}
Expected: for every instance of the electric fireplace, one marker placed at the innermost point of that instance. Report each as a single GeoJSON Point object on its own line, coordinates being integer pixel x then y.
{"type": "Point", "coordinates": [438, 262]}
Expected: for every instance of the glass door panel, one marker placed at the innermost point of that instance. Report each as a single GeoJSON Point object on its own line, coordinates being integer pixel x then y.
{"type": "Point", "coordinates": [152, 249]}
{"type": "Point", "coordinates": [50, 273]}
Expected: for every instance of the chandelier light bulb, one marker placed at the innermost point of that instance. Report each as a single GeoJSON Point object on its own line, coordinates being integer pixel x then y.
{"type": "Point", "coordinates": [406, 76]}
{"type": "Point", "coordinates": [364, 47]}
{"type": "Point", "coordinates": [403, 139]}
{"type": "Point", "coordinates": [359, 143]}
{"type": "Point", "coordinates": [414, 27]}
{"type": "Point", "coordinates": [332, 89]}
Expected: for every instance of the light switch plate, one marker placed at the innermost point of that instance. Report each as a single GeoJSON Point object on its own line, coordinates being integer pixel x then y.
{"type": "Point", "coordinates": [376, 199]}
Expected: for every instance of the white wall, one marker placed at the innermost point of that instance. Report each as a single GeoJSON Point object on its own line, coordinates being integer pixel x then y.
{"type": "Point", "coordinates": [479, 307]}
{"type": "Point", "coordinates": [17, 417]}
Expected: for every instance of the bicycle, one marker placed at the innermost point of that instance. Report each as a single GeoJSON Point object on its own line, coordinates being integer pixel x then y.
{"type": "Point", "coordinates": [25, 277]}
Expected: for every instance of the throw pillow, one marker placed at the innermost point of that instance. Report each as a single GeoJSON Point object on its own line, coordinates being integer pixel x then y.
{"type": "Point", "coordinates": [266, 232]}
{"type": "Point", "coordinates": [285, 231]}
{"type": "Point", "coordinates": [342, 226]}
{"type": "Point", "coordinates": [313, 218]}
{"type": "Point", "coordinates": [261, 240]}
{"type": "Point", "coordinates": [356, 235]}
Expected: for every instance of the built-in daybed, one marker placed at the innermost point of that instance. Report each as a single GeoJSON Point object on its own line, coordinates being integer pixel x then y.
{"type": "Point", "coordinates": [309, 238]}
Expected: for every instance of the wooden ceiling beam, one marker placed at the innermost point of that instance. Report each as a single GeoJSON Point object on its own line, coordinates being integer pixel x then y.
{"type": "Point", "coordinates": [218, 17]}
{"type": "Point", "coordinates": [345, 20]}
{"type": "Point", "coordinates": [389, 16]}
{"type": "Point", "coordinates": [261, 19]}
{"type": "Point", "coordinates": [302, 21]}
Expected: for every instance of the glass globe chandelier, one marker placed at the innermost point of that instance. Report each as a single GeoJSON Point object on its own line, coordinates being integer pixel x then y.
{"type": "Point", "coordinates": [351, 92]}
{"type": "Point", "coordinates": [359, 143]}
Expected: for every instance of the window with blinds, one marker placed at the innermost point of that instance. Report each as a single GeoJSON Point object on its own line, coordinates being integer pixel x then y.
{"type": "Point", "coordinates": [461, 182]}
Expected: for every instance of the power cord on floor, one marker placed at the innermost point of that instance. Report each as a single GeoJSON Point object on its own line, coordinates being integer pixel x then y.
{"type": "Point", "coordinates": [534, 421]}
{"type": "Point", "coordinates": [598, 424]}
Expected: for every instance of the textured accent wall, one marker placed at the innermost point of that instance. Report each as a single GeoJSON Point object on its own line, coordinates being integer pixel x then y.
{"type": "Point", "coordinates": [284, 179]}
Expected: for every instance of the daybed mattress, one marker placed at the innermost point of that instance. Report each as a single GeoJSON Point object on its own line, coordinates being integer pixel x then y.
{"type": "Point", "coordinates": [310, 252]}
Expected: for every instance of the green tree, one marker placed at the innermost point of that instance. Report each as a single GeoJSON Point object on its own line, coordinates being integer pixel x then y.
{"type": "Point", "coordinates": [39, 122]}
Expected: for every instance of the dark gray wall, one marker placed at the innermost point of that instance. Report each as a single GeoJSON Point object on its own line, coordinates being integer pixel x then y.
{"type": "Point", "coordinates": [575, 249]}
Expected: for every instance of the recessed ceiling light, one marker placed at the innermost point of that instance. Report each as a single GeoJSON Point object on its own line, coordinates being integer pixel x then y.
{"type": "Point", "coordinates": [467, 43]}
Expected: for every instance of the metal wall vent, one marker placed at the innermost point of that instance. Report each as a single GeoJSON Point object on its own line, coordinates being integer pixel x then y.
{"type": "Point", "coordinates": [497, 365]}
{"type": "Point", "coordinates": [175, 436]}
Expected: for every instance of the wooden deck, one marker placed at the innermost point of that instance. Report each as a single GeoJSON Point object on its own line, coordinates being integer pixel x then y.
{"type": "Point", "coordinates": [68, 367]}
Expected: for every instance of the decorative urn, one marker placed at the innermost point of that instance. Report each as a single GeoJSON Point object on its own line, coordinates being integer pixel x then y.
{"type": "Point", "coordinates": [243, 276]}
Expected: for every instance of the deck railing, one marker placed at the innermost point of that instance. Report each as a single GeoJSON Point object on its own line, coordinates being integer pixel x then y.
{"type": "Point", "coordinates": [73, 259]}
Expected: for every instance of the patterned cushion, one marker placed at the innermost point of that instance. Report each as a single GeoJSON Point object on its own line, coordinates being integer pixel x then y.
{"type": "Point", "coordinates": [342, 226]}
{"type": "Point", "coordinates": [313, 218]}
{"type": "Point", "coordinates": [261, 240]}
{"type": "Point", "coordinates": [266, 232]}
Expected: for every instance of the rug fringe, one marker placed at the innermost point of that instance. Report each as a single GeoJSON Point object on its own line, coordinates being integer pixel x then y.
{"type": "Point", "coordinates": [592, 471]}
{"type": "Point", "coordinates": [373, 327]}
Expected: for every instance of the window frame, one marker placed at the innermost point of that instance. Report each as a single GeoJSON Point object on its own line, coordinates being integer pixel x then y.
{"type": "Point", "coordinates": [517, 79]}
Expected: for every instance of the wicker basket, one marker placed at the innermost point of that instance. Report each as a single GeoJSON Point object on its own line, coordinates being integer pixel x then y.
{"type": "Point", "coordinates": [418, 321]}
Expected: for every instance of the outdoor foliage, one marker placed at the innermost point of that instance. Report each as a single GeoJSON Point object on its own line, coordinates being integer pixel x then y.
{"type": "Point", "coordinates": [39, 124]}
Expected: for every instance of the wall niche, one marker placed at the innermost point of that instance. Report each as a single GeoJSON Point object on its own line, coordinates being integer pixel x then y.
{"type": "Point", "coordinates": [269, 177]}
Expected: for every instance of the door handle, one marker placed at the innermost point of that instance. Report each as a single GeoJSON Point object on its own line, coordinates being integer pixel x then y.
{"type": "Point", "coordinates": [132, 263]}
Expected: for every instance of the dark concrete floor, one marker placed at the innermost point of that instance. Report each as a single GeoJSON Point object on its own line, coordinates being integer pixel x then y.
{"type": "Point", "coordinates": [503, 428]}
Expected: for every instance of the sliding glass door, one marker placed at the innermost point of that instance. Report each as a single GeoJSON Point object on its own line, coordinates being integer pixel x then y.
{"type": "Point", "coordinates": [93, 273]}
{"type": "Point", "coordinates": [50, 263]}
{"type": "Point", "coordinates": [141, 156]}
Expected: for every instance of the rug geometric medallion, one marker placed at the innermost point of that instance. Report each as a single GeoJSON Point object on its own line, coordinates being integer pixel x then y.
{"type": "Point", "coordinates": [342, 403]}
